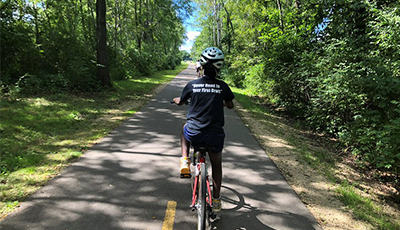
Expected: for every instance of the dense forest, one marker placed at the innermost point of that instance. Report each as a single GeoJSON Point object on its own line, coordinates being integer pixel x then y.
{"type": "Point", "coordinates": [53, 44]}
{"type": "Point", "coordinates": [334, 64]}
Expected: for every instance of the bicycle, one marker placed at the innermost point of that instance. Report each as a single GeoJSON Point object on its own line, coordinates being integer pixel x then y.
{"type": "Point", "coordinates": [199, 72]}
{"type": "Point", "coordinates": [201, 186]}
{"type": "Point", "coordinates": [202, 189]}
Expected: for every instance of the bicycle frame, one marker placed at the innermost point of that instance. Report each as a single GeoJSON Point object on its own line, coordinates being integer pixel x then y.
{"type": "Point", "coordinates": [201, 159]}
{"type": "Point", "coordinates": [201, 198]}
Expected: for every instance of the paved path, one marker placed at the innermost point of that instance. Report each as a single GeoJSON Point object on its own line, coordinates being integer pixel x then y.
{"type": "Point", "coordinates": [130, 181]}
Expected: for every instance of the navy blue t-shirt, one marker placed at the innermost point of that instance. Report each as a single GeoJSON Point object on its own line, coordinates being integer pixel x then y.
{"type": "Point", "coordinates": [206, 112]}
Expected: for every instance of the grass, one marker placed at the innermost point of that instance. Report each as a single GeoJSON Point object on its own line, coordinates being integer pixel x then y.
{"type": "Point", "coordinates": [43, 134]}
{"type": "Point", "coordinates": [362, 207]}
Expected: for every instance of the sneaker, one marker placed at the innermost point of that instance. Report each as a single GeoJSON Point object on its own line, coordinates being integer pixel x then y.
{"type": "Point", "coordinates": [185, 169]}
{"type": "Point", "coordinates": [217, 206]}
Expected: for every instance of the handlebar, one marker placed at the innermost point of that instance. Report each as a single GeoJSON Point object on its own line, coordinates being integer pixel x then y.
{"type": "Point", "coordinates": [186, 102]}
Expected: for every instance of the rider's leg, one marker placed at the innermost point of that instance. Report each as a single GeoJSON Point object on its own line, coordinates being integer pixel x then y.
{"type": "Point", "coordinates": [216, 166]}
{"type": "Point", "coordinates": [184, 161]}
{"type": "Point", "coordinates": [185, 145]}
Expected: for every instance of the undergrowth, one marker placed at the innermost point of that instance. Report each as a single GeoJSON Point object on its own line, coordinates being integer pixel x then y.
{"type": "Point", "coordinates": [361, 206]}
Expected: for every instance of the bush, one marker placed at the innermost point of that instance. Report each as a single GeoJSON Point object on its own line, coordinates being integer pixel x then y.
{"type": "Point", "coordinates": [35, 84]}
{"type": "Point", "coordinates": [138, 64]}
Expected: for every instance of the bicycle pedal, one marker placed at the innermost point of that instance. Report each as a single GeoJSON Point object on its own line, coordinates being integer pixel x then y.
{"type": "Point", "coordinates": [214, 217]}
{"type": "Point", "coordinates": [186, 176]}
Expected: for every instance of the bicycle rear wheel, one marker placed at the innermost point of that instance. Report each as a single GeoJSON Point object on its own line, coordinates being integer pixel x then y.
{"type": "Point", "coordinates": [202, 203]}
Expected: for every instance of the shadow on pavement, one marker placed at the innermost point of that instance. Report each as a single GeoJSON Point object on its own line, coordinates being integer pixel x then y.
{"type": "Point", "coordinates": [237, 214]}
{"type": "Point", "coordinates": [126, 181]}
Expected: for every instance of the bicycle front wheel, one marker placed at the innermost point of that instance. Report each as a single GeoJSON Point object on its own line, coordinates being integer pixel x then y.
{"type": "Point", "coordinates": [202, 203]}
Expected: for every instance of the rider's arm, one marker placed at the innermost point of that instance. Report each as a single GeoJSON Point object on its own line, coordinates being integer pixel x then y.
{"type": "Point", "coordinates": [229, 104]}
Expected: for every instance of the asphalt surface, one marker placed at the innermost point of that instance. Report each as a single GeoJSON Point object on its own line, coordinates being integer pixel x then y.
{"type": "Point", "coordinates": [130, 179]}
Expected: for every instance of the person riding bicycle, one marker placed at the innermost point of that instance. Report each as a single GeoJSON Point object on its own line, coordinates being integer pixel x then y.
{"type": "Point", "coordinates": [198, 67]}
{"type": "Point", "coordinates": [205, 118]}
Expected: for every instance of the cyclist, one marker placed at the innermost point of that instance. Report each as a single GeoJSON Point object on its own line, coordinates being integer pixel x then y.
{"type": "Point", "coordinates": [198, 68]}
{"type": "Point", "coordinates": [205, 117]}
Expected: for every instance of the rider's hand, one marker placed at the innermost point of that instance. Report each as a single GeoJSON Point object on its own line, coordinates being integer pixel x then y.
{"type": "Point", "coordinates": [176, 100]}
{"type": "Point", "coordinates": [228, 104]}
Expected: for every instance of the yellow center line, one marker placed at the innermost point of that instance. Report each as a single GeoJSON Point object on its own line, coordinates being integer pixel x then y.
{"type": "Point", "coordinates": [169, 216]}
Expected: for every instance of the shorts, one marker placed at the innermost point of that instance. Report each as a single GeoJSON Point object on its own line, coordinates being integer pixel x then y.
{"type": "Point", "coordinates": [209, 138]}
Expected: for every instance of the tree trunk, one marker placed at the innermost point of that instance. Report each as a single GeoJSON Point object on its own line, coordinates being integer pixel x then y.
{"type": "Point", "coordinates": [278, 2]}
{"type": "Point", "coordinates": [92, 21]}
{"type": "Point", "coordinates": [214, 23]}
{"type": "Point", "coordinates": [219, 25]}
{"type": "Point", "coordinates": [103, 73]}
{"type": "Point", "coordinates": [138, 23]}
{"type": "Point", "coordinates": [230, 29]}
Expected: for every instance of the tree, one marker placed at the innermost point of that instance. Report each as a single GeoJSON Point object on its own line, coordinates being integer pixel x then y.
{"type": "Point", "coordinates": [103, 73]}
{"type": "Point", "coordinates": [185, 55]}
{"type": "Point", "coordinates": [54, 44]}
{"type": "Point", "coordinates": [333, 64]}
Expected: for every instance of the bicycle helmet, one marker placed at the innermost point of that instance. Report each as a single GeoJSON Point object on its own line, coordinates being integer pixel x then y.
{"type": "Point", "coordinates": [213, 56]}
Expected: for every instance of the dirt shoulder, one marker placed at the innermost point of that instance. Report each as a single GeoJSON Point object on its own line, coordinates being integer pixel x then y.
{"type": "Point", "coordinates": [317, 192]}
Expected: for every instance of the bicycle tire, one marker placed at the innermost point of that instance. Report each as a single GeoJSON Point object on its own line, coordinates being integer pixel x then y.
{"type": "Point", "coordinates": [202, 203]}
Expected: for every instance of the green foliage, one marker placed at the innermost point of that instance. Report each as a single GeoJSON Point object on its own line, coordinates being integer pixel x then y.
{"type": "Point", "coordinates": [256, 82]}
{"type": "Point", "coordinates": [30, 84]}
{"type": "Point", "coordinates": [355, 94]}
{"type": "Point", "coordinates": [185, 55]}
{"type": "Point", "coordinates": [351, 194]}
{"type": "Point", "coordinates": [333, 64]}
{"type": "Point", "coordinates": [19, 53]}
{"type": "Point", "coordinates": [53, 43]}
